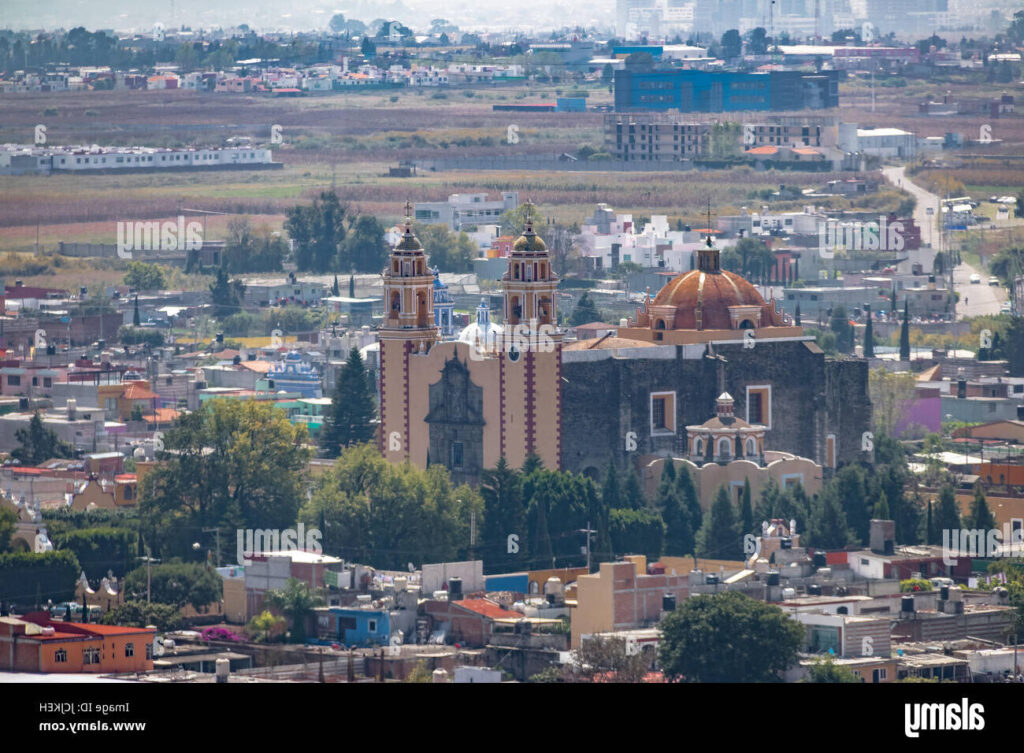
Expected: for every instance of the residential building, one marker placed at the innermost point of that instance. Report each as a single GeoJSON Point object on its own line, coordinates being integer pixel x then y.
{"type": "Point", "coordinates": [463, 210]}
{"type": "Point", "coordinates": [36, 643]}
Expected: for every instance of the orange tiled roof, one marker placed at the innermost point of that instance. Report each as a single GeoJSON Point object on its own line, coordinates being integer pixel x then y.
{"type": "Point", "coordinates": [161, 416]}
{"type": "Point", "coordinates": [766, 149]}
{"type": "Point", "coordinates": [486, 608]}
{"type": "Point", "coordinates": [138, 391]}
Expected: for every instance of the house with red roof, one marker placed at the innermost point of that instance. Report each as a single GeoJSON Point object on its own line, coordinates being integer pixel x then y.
{"type": "Point", "coordinates": [36, 643]}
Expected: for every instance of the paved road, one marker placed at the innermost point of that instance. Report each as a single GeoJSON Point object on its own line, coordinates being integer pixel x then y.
{"type": "Point", "coordinates": [975, 300]}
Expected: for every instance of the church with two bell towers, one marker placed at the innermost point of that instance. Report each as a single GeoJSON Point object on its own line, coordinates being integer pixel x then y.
{"type": "Point", "coordinates": [466, 404]}
{"type": "Point", "coordinates": [514, 388]}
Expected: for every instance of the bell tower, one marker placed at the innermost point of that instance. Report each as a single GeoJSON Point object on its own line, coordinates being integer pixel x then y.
{"type": "Point", "coordinates": [408, 330]}
{"type": "Point", "coordinates": [529, 283]}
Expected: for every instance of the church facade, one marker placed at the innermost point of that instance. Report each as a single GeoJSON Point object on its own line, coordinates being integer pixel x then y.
{"type": "Point", "coordinates": [465, 404]}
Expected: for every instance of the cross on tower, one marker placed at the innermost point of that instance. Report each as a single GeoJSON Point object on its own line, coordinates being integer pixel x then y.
{"type": "Point", "coordinates": [408, 212]}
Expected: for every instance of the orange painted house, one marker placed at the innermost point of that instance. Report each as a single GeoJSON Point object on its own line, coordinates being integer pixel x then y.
{"type": "Point", "coordinates": [37, 644]}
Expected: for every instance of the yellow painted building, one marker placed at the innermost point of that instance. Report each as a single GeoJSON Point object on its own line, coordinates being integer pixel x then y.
{"type": "Point", "coordinates": [464, 405]}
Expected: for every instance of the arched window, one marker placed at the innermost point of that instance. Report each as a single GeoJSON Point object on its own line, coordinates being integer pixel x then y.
{"type": "Point", "coordinates": [751, 447]}
{"type": "Point", "coordinates": [660, 324]}
{"type": "Point", "coordinates": [723, 447]}
{"type": "Point", "coordinates": [396, 301]}
{"type": "Point", "coordinates": [698, 448]}
{"type": "Point", "coordinates": [746, 324]}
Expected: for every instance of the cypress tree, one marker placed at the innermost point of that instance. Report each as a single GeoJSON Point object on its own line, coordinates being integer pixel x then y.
{"type": "Point", "coordinates": [947, 515]}
{"type": "Point", "coordinates": [797, 317]}
{"type": "Point", "coordinates": [905, 334]}
{"type": "Point", "coordinates": [881, 511]}
{"type": "Point", "coordinates": [687, 494]}
{"type": "Point", "coordinates": [351, 286]}
{"type": "Point", "coordinates": [720, 538]}
{"type": "Point", "coordinates": [981, 516]}
{"type": "Point", "coordinates": [869, 337]}
{"type": "Point", "coordinates": [930, 526]}
{"type": "Point", "coordinates": [611, 491]}
{"type": "Point", "coordinates": [746, 510]}
{"type": "Point", "coordinates": [352, 408]}
{"type": "Point", "coordinates": [136, 318]}
{"type": "Point", "coordinates": [768, 503]}
{"type": "Point", "coordinates": [632, 491]}
{"type": "Point", "coordinates": [335, 290]}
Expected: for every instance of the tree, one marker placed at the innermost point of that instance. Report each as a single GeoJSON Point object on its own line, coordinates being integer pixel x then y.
{"type": "Point", "coordinates": [720, 537]}
{"type": "Point", "coordinates": [370, 510]}
{"type": "Point", "coordinates": [869, 337]}
{"type": "Point", "coordinates": [732, 44]}
{"type": "Point", "coordinates": [296, 600]}
{"type": "Point", "coordinates": [757, 42]}
{"type": "Point", "coordinates": [881, 510]}
{"type": "Point", "coordinates": [504, 516]}
{"type": "Point", "coordinates": [232, 464]}
{"type": "Point", "coordinates": [513, 222]}
{"type": "Point", "coordinates": [891, 394]}
{"type": "Point", "coordinates": [905, 333]}
{"type": "Point", "coordinates": [840, 325]}
{"type": "Point", "coordinates": [364, 249]}
{"type": "Point", "coordinates": [139, 613]}
{"type": "Point", "coordinates": [8, 525]}
{"type": "Point", "coordinates": [37, 444]}
{"type": "Point", "coordinates": [826, 670]}
{"type": "Point", "coordinates": [227, 295]}
{"type": "Point", "coordinates": [679, 533]}
{"type": "Point", "coordinates": [796, 316]}
{"type": "Point", "coordinates": [136, 318]}
{"type": "Point", "coordinates": [337, 23]}
{"type": "Point", "coordinates": [611, 490]}
{"type": "Point", "coordinates": [828, 529]}
{"type": "Point", "coordinates": [585, 312]}
{"type": "Point", "coordinates": [175, 583]}
{"type": "Point", "coordinates": [633, 497]}
{"type": "Point", "coordinates": [353, 407]}
{"type": "Point", "coordinates": [368, 48]}
{"type": "Point", "coordinates": [728, 637]}
{"type": "Point", "coordinates": [318, 231]}
{"type": "Point", "coordinates": [142, 276]}
{"type": "Point", "coordinates": [980, 516]}
{"type": "Point", "coordinates": [448, 251]}
{"type": "Point", "coordinates": [746, 510]}
{"type": "Point", "coordinates": [636, 532]}
{"type": "Point", "coordinates": [947, 514]}
{"type": "Point", "coordinates": [767, 507]}
{"type": "Point", "coordinates": [606, 659]}
{"type": "Point", "coordinates": [851, 487]}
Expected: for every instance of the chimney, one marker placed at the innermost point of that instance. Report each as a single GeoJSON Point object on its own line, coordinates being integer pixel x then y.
{"type": "Point", "coordinates": [883, 536]}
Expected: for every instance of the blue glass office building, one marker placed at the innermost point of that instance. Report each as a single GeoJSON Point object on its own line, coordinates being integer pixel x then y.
{"type": "Point", "coordinates": [724, 91]}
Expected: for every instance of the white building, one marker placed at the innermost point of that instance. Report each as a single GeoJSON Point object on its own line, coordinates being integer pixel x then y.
{"type": "Point", "coordinates": [465, 209]}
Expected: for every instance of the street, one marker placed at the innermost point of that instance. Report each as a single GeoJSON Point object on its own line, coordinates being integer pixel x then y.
{"type": "Point", "coordinates": [975, 300]}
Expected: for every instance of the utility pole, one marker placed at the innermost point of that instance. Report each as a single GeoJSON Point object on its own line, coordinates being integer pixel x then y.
{"type": "Point", "coordinates": [149, 579]}
{"type": "Point", "coordinates": [588, 531]}
{"type": "Point", "coordinates": [216, 532]}
{"type": "Point", "coordinates": [472, 531]}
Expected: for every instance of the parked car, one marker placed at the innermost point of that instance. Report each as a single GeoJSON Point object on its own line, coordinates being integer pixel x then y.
{"type": "Point", "coordinates": [993, 280]}
{"type": "Point", "coordinates": [975, 279]}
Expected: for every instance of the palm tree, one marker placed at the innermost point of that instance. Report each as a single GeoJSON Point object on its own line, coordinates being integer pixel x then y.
{"type": "Point", "coordinates": [296, 600]}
